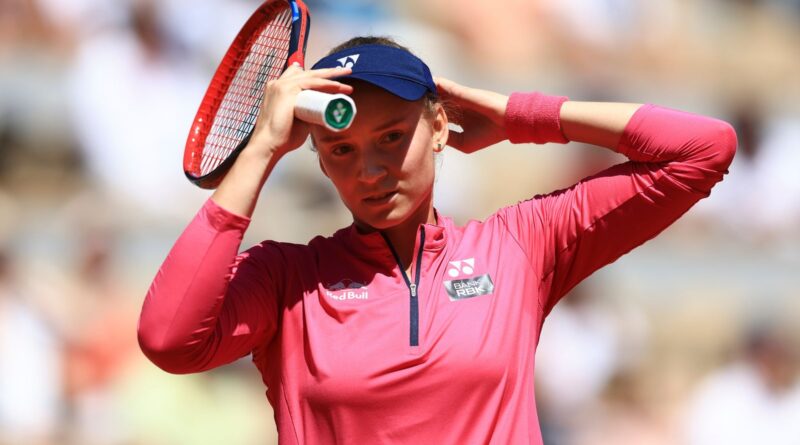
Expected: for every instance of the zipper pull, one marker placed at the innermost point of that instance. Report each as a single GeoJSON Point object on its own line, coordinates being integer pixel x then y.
{"type": "Point", "coordinates": [413, 288]}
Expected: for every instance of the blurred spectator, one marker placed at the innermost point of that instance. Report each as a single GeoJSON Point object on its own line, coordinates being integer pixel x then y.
{"type": "Point", "coordinates": [585, 341]}
{"type": "Point", "coordinates": [791, 6]}
{"type": "Point", "coordinates": [760, 199]}
{"type": "Point", "coordinates": [30, 365]}
{"type": "Point", "coordinates": [222, 407]}
{"type": "Point", "coordinates": [133, 102]}
{"type": "Point", "coordinates": [603, 24]}
{"type": "Point", "coordinates": [82, 18]}
{"type": "Point", "coordinates": [503, 39]}
{"type": "Point", "coordinates": [628, 414]}
{"type": "Point", "coordinates": [100, 345]}
{"type": "Point", "coordinates": [366, 10]}
{"type": "Point", "coordinates": [754, 400]}
{"type": "Point", "coordinates": [32, 99]}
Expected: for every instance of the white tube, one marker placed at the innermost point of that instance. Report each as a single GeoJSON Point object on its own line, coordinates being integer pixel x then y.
{"type": "Point", "coordinates": [333, 111]}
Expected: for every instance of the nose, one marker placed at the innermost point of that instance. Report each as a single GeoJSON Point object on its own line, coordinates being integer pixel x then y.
{"type": "Point", "coordinates": [373, 166]}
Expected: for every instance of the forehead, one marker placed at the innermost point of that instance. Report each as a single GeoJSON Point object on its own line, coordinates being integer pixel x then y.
{"type": "Point", "coordinates": [375, 108]}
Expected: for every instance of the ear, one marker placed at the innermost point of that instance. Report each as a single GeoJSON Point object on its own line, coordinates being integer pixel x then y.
{"type": "Point", "coordinates": [441, 131]}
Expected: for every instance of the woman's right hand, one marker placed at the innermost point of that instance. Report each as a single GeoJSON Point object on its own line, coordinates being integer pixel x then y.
{"type": "Point", "coordinates": [277, 132]}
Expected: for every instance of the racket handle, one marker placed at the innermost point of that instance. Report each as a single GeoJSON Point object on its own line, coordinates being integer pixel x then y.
{"type": "Point", "coordinates": [333, 111]}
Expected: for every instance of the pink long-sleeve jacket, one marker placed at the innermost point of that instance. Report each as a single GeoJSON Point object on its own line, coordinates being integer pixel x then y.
{"type": "Point", "coordinates": [354, 352]}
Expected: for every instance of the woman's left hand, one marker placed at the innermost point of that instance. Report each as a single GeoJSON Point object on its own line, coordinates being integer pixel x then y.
{"type": "Point", "coordinates": [480, 114]}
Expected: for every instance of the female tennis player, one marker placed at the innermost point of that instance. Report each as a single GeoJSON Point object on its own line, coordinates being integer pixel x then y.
{"type": "Point", "coordinates": [404, 327]}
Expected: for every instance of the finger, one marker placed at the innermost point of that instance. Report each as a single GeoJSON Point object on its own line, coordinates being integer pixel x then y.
{"type": "Point", "coordinates": [440, 81]}
{"type": "Point", "coordinates": [329, 72]}
{"type": "Point", "coordinates": [291, 71]}
{"type": "Point", "coordinates": [326, 86]}
{"type": "Point", "coordinates": [447, 86]}
{"type": "Point", "coordinates": [456, 94]}
{"type": "Point", "coordinates": [441, 88]}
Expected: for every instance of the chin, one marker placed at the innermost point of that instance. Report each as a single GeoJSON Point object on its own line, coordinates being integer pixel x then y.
{"type": "Point", "coordinates": [384, 218]}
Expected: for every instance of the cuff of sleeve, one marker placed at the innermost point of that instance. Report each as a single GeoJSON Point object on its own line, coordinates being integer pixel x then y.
{"type": "Point", "coordinates": [223, 219]}
{"type": "Point", "coordinates": [534, 117]}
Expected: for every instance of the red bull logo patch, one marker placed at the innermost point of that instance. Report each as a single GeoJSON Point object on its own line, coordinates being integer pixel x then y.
{"type": "Point", "coordinates": [347, 290]}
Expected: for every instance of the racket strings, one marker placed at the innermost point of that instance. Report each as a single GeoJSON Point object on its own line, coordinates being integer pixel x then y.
{"type": "Point", "coordinates": [264, 58]}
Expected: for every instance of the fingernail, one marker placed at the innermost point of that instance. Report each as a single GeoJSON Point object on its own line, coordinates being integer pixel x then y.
{"type": "Point", "coordinates": [295, 64]}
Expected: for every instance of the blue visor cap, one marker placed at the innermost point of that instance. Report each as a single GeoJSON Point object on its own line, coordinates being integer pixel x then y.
{"type": "Point", "coordinates": [395, 70]}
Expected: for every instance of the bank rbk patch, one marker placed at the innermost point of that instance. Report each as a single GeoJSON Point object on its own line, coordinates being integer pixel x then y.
{"type": "Point", "coordinates": [469, 286]}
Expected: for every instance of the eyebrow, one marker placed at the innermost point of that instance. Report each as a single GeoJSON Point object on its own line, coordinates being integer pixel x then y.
{"type": "Point", "coordinates": [336, 137]}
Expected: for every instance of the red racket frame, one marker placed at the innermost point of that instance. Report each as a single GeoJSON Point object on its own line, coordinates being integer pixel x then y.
{"type": "Point", "coordinates": [228, 67]}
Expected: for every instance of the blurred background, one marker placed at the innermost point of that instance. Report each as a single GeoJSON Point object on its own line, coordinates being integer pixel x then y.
{"type": "Point", "coordinates": [691, 339]}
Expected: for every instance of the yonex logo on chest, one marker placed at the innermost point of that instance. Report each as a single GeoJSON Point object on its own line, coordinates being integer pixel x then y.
{"type": "Point", "coordinates": [466, 267]}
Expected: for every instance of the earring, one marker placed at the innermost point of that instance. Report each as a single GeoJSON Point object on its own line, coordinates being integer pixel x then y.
{"type": "Point", "coordinates": [438, 147]}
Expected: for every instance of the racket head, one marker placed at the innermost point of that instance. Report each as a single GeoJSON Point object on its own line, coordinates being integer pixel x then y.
{"type": "Point", "coordinates": [274, 37]}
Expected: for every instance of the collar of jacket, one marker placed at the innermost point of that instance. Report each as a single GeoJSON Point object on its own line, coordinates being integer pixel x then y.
{"type": "Point", "coordinates": [436, 236]}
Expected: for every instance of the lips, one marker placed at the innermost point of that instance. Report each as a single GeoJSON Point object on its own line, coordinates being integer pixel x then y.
{"type": "Point", "coordinates": [380, 198]}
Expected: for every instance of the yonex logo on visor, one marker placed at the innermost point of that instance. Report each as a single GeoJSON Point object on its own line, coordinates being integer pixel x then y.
{"type": "Point", "coordinates": [393, 69]}
{"type": "Point", "coordinates": [348, 61]}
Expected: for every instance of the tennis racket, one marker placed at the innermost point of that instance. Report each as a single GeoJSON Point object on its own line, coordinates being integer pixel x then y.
{"type": "Point", "coordinates": [273, 38]}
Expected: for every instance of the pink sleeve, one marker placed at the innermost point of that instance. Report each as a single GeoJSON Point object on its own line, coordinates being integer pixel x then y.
{"type": "Point", "coordinates": [207, 306]}
{"type": "Point", "coordinates": [675, 160]}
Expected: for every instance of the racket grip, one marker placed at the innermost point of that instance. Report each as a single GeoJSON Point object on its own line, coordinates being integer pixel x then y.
{"type": "Point", "coordinates": [333, 111]}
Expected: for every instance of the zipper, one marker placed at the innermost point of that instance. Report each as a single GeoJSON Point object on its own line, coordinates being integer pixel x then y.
{"type": "Point", "coordinates": [413, 288]}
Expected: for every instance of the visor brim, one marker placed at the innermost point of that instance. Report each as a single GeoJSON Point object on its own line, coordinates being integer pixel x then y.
{"type": "Point", "coordinates": [402, 88]}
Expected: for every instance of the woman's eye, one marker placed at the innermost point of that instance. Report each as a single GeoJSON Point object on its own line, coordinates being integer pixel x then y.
{"type": "Point", "coordinates": [340, 150]}
{"type": "Point", "coordinates": [393, 137]}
